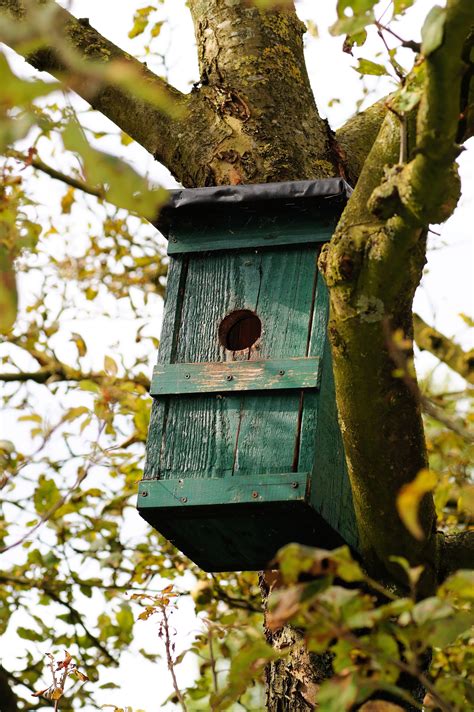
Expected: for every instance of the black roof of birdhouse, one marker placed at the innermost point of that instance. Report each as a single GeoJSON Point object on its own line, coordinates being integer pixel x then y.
{"type": "Point", "coordinates": [302, 196]}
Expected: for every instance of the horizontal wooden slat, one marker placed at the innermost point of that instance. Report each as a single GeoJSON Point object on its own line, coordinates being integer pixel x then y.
{"type": "Point", "coordinates": [272, 374]}
{"type": "Point", "coordinates": [214, 491]}
{"type": "Point", "coordinates": [283, 232]}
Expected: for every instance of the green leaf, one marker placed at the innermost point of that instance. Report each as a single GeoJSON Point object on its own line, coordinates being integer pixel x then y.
{"type": "Point", "coordinates": [432, 31]}
{"type": "Point", "coordinates": [121, 184]}
{"type": "Point", "coordinates": [366, 66]}
{"type": "Point", "coordinates": [28, 634]}
{"type": "Point", "coordinates": [245, 667]}
{"type": "Point", "coordinates": [18, 92]}
{"type": "Point", "coordinates": [400, 6]}
{"type": "Point", "coordinates": [8, 291]}
{"type": "Point", "coordinates": [460, 583]}
{"type": "Point", "coordinates": [338, 694]}
{"type": "Point", "coordinates": [354, 16]}
{"type": "Point", "coordinates": [46, 495]}
{"type": "Point", "coordinates": [87, 385]}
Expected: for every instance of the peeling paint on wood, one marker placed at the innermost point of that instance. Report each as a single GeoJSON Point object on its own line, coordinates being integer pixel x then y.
{"type": "Point", "coordinates": [272, 374]}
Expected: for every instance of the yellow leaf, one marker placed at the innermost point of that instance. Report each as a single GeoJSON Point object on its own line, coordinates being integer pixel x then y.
{"type": "Point", "coordinates": [409, 499]}
{"type": "Point", "coordinates": [8, 293]}
{"type": "Point", "coordinates": [80, 343]}
{"type": "Point", "coordinates": [67, 200]}
{"type": "Point", "coordinates": [110, 367]}
{"type": "Point", "coordinates": [125, 139]}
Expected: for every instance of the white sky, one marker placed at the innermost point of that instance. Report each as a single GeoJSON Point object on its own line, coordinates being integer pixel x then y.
{"type": "Point", "coordinates": [447, 285]}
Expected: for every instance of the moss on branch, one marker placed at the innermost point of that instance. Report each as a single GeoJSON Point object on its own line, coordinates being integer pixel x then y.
{"type": "Point", "coordinates": [373, 266]}
{"type": "Point", "coordinates": [429, 339]}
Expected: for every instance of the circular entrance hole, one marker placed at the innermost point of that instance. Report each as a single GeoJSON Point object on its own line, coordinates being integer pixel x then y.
{"type": "Point", "coordinates": [239, 330]}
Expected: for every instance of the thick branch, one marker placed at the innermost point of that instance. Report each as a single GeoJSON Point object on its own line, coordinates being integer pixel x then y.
{"type": "Point", "coordinates": [8, 699]}
{"type": "Point", "coordinates": [373, 266]}
{"type": "Point", "coordinates": [73, 51]}
{"type": "Point", "coordinates": [357, 136]}
{"type": "Point", "coordinates": [456, 552]}
{"type": "Point", "coordinates": [429, 339]}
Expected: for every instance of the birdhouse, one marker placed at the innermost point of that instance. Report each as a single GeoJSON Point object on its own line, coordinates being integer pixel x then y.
{"type": "Point", "coordinates": [244, 452]}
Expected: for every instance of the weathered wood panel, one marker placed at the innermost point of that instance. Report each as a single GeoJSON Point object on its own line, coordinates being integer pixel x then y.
{"type": "Point", "coordinates": [221, 377]}
{"type": "Point", "coordinates": [184, 492]}
{"type": "Point", "coordinates": [239, 434]}
{"type": "Point", "coordinates": [269, 423]}
{"type": "Point", "coordinates": [176, 282]}
{"type": "Point", "coordinates": [268, 233]}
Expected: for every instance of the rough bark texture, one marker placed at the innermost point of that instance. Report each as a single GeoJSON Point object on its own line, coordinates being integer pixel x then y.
{"type": "Point", "coordinates": [253, 119]}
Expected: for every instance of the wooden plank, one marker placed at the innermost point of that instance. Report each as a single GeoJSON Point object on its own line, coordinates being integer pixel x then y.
{"type": "Point", "coordinates": [270, 374]}
{"type": "Point", "coordinates": [321, 449]}
{"type": "Point", "coordinates": [201, 432]}
{"type": "Point", "coordinates": [176, 283]}
{"type": "Point", "coordinates": [205, 491]}
{"type": "Point", "coordinates": [269, 422]}
{"type": "Point", "coordinates": [310, 401]}
{"type": "Point", "coordinates": [267, 233]}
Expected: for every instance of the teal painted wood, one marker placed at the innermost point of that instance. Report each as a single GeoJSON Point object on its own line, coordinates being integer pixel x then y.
{"type": "Point", "coordinates": [272, 374]}
{"type": "Point", "coordinates": [310, 401]}
{"type": "Point", "coordinates": [176, 280]}
{"type": "Point", "coordinates": [331, 493]}
{"type": "Point", "coordinates": [269, 426]}
{"type": "Point", "coordinates": [227, 435]}
{"type": "Point", "coordinates": [207, 491]}
{"type": "Point", "coordinates": [201, 433]}
{"type": "Point", "coordinates": [267, 233]}
{"type": "Point", "coordinates": [214, 459]}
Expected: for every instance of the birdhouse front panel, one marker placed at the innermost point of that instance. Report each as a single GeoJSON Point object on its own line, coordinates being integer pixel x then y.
{"type": "Point", "coordinates": [236, 466]}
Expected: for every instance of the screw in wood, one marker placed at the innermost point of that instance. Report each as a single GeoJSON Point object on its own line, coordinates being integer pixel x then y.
{"type": "Point", "coordinates": [294, 485]}
{"type": "Point", "coordinates": [144, 493]}
{"type": "Point", "coordinates": [183, 500]}
{"type": "Point", "coordinates": [229, 377]}
{"type": "Point", "coordinates": [187, 375]}
{"type": "Point", "coordinates": [282, 373]}
{"type": "Point", "coordinates": [254, 495]}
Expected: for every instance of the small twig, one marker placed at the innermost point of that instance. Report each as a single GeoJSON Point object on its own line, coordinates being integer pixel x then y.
{"type": "Point", "coordinates": [57, 175]}
{"type": "Point", "coordinates": [408, 44]}
{"type": "Point", "coordinates": [453, 424]}
{"type": "Point", "coordinates": [234, 602]}
{"type": "Point", "coordinates": [169, 657]}
{"type": "Point", "coordinates": [212, 658]}
{"type": "Point", "coordinates": [47, 515]}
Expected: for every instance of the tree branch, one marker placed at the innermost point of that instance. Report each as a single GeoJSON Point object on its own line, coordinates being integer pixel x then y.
{"type": "Point", "coordinates": [357, 136]}
{"type": "Point", "coordinates": [456, 552]}
{"type": "Point", "coordinates": [372, 267]}
{"type": "Point", "coordinates": [60, 372]}
{"type": "Point", "coordinates": [99, 71]}
{"type": "Point", "coordinates": [8, 699]}
{"type": "Point", "coordinates": [429, 339]}
{"type": "Point", "coordinates": [57, 175]}
{"type": "Point", "coordinates": [454, 424]}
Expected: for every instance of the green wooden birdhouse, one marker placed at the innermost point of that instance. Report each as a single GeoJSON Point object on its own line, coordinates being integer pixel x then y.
{"type": "Point", "coordinates": [244, 452]}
